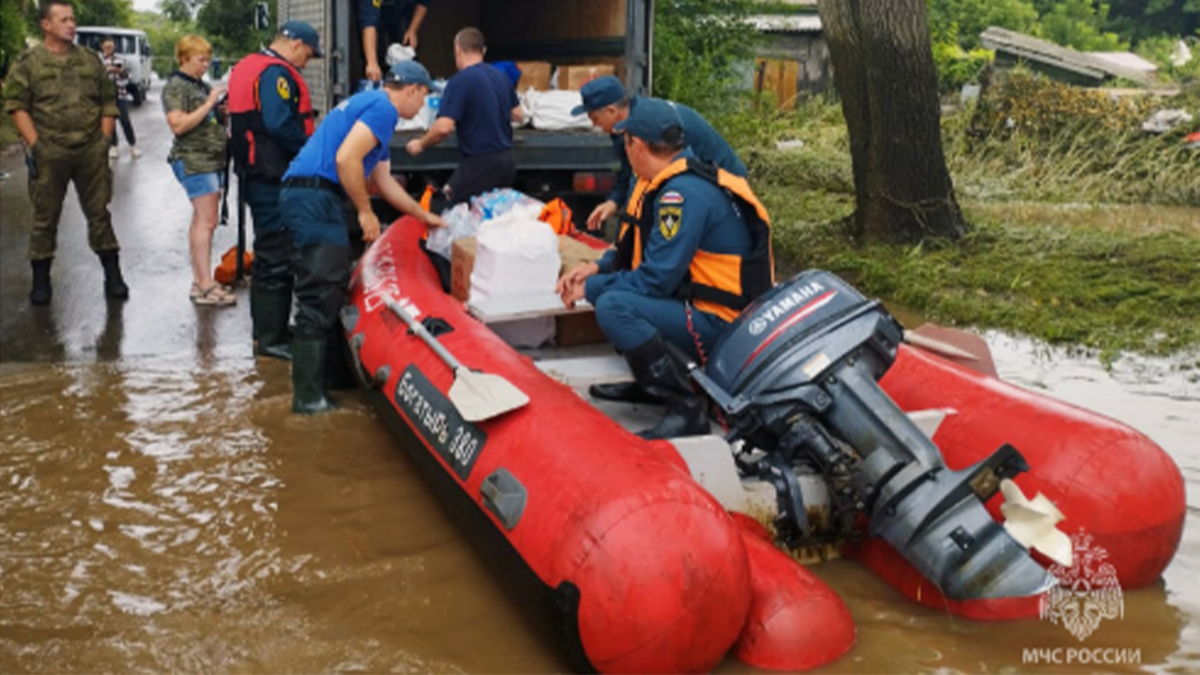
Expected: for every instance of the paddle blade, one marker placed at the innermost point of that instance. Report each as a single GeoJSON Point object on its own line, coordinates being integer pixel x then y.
{"type": "Point", "coordinates": [481, 396]}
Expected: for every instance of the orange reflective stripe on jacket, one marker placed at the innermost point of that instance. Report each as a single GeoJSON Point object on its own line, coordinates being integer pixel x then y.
{"type": "Point", "coordinates": [718, 283]}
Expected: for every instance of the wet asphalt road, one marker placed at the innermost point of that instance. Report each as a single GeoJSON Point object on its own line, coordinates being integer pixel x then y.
{"type": "Point", "coordinates": [151, 213]}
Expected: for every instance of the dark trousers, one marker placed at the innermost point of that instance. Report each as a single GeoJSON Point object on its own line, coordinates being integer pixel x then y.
{"type": "Point", "coordinates": [272, 241]}
{"type": "Point", "coordinates": [476, 175]}
{"type": "Point", "coordinates": [126, 125]}
{"type": "Point", "coordinates": [315, 218]}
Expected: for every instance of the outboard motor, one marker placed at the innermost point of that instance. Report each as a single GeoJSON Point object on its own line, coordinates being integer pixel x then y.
{"type": "Point", "coordinates": [796, 377]}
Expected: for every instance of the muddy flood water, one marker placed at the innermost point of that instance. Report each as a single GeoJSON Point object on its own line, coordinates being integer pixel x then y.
{"type": "Point", "coordinates": [168, 514]}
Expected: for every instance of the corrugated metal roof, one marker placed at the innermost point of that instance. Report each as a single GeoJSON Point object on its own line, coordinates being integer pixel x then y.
{"type": "Point", "coordinates": [1041, 51]}
{"type": "Point", "coordinates": [786, 23]}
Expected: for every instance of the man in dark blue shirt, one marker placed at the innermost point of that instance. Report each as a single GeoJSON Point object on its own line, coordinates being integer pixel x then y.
{"type": "Point", "coordinates": [606, 104]}
{"type": "Point", "coordinates": [329, 175]}
{"type": "Point", "coordinates": [695, 251]}
{"type": "Point", "coordinates": [270, 120]}
{"type": "Point", "coordinates": [384, 22]}
{"type": "Point", "coordinates": [479, 105]}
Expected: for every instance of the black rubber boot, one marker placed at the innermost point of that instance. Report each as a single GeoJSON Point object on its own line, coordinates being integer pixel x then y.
{"type": "Point", "coordinates": [270, 310]}
{"type": "Point", "coordinates": [625, 392]}
{"type": "Point", "coordinates": [308, 377]}
{"type": "Point", "coordinates": [659, 374]}
{"type": "Point", "coordinates": [114, 283]}
{"type": "Point", "coordinates": [42, 291]}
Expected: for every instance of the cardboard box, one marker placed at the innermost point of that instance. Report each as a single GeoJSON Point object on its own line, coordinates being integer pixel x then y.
{"type": "Point", "coordinates": [462, 261]}
{"type": "Point", "coordinates": [570, 329]}
{"type": "Point", "coordinates": [534, 74]}
{"type": "Point", "coordinates": [574, 77]}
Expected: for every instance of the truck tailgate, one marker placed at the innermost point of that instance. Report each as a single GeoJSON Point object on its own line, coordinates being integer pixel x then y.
{"type": "Point", "coordinates": [533, 150]}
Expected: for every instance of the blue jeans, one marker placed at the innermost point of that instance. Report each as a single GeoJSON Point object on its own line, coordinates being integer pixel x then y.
{"type": "Point", "coordinates": [198, 184]}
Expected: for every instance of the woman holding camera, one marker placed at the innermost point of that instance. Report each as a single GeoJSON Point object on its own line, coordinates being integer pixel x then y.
{"type": "Point", "coordinates": [196, 114]}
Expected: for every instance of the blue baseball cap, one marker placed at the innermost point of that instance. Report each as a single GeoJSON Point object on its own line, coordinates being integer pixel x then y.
{"type": "Point", "coordinates": [299, 30]}
{"type": "Point", "coordinates": [650, 119]}
{"type": "Point", "coordinates": [408, 72]}
{"type": "Point", "coordinates": [598, 93]}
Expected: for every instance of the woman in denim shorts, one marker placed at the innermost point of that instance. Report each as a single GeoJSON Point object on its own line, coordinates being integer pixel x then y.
{"type": "Point", "coordinates": [196, 114]}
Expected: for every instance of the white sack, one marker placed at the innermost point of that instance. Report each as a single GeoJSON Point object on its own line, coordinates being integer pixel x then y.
{"type": "Point", "coordinates": [551, 110]}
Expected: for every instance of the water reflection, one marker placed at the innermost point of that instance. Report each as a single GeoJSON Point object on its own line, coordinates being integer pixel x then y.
{"type": "Point", "coordinates": [108, 342]}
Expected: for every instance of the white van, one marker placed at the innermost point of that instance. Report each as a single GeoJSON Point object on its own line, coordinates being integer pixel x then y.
{"type": "Point", "coordinates": [131, 45]}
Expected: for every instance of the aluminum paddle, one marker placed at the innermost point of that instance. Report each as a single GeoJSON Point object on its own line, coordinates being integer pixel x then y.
{"type": "Point", "coordinates": [477, 396]}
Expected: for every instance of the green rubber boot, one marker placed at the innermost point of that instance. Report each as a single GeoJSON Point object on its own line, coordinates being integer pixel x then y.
{"type": "Point", "coordinates": [308, 377]}
{"type": "Point", "coordinates": [270, 310]}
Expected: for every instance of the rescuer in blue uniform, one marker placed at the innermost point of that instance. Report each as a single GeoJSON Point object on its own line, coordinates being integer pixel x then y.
{"type": "Point", "coordinates": [329, 174]}
{"type": "Point", "coordinates": [271, 118]}
{"type": "Point", "coordinates": [478, 106]}
{"type": "Point", "coordinates": [384, 22]}
{"type": "Point", "coordinates": [606, 104]}
{"type": "Point", "coordinates": [695, 250]}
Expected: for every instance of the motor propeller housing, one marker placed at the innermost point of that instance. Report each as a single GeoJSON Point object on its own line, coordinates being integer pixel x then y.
{"type": "Point", "coordinates": [796, 377]}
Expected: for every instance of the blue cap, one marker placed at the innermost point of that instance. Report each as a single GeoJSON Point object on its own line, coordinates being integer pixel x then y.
{"type": "Point", "coordinates": [598, 93]}
{"type": "Point", "coordinates": [649, 119]}
{"type": "Point", "coordinates": [299, 30]}
{"type": "Point", "coordinates": [408, 72]}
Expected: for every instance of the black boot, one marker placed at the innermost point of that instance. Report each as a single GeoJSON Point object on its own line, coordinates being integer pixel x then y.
{"type": "Point", "coordinates": [308, 377]}
{"type": "Point", "coordinates": [114, 283]}
{"type": "Point", "coordinates": [625, 392]}
{"type": "Point", "coordinates": [41, 292]}
{"type": "Point", "coordinates": [661, 375]}
{"type": "Point", "coordinates": [270, 310]}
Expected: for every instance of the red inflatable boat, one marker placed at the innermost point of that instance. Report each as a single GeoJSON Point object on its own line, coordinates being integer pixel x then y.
{"type": "Point", "coordinates": [631, 564]}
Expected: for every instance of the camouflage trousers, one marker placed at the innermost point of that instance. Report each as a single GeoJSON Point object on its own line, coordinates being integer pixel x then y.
{"type": "Point", "coordinates": [51, 168]}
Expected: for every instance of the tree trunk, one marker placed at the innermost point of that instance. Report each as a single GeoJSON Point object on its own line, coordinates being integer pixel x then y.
{"type": "Point", "coordinates": [884, 71]}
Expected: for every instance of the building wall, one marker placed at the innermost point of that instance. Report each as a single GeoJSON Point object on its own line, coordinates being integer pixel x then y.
{"type": "Point", "coordinates": [809, 50]}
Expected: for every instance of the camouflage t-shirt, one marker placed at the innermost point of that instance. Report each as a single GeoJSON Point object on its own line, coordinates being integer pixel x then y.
{"type": "Point", "coordinates": [65, 94]}
{"type": "Point", "coordinates": [202, 148]}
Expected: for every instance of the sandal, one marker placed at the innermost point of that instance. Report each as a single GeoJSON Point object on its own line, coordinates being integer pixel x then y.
{"type": "Point", "coordinates": [195, 292]}
{"type": "Point", "coordinates": [213, 295]}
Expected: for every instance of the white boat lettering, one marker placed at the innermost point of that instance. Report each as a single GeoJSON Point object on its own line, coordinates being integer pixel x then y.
{"type": "Point", "coordinates": [463, 447]}
{"type": "Point", "coordinates": [783, 306]}
{"type": "Point", "coordinates": [435, 421]}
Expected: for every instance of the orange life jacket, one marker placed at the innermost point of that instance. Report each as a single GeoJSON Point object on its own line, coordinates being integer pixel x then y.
{"type": "Point", "coordinates": [254, 152]}
{"type": "Point", "coordinates": [718, 283]}
{"type": "Point", "coordinates": [558, 215]}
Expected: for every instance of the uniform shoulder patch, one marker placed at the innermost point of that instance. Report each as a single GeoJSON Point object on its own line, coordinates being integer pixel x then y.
{"type": "Point", "coordinates": [284, 89]}
{"type": "Point", "coordinates": [671, 197]}
{"type": "Point", "coordinates": [669, 218]}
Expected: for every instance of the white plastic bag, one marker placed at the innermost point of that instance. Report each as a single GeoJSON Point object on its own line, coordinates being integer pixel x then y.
{"type": "Point", "coordinates": [461, 221]}
{"type": "Point", "coordinates": [397, 52]}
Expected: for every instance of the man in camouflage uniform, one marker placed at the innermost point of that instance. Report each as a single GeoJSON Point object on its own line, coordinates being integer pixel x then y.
{"type": "Point", "coordinates": [64, 106]}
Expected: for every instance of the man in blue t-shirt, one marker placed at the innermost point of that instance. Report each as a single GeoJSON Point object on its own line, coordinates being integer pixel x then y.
{"type": "Point", "coordinates": [606, 105]}
{"type": "Point", "coordinates": [479, 105]}
{"type": "Point", "coordinates": [328, 177]}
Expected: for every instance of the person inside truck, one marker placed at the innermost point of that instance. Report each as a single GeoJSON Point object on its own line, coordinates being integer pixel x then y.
{"type": "Point", "coordinates": [606, 104]}
{"type": "Point", "coordinates": [270, 118]}
{"type": "Point", "coordinates": [695, 250]}
{"type": "Point", "coordinates": [479, 105]}
{"type": "Point", "coordinates": [328, 175]}
{"type": "Point", "coordinates": [384, 22]}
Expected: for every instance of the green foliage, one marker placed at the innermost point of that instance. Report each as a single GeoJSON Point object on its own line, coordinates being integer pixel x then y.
{"type": "Point", "coordinates": [1031, 138]}
{"type": "Point", "coordinates": [966, 19]}
{"type": "Point", "coordinates": [12, 30]}
{"type": "Point", "coordinates": [698, 45]}
{"type": "Point", "coordinates": [1076, 23]}
{"type": "Point", "coordinates": [1065, 275]}
{"type": "Point", "coordinates": [104, 13]}
{"type": "Point", "coordinates": [955, 65]}
{"type": "Point", "coordinates": [229, 26]}
{"type": "Point", "coordinates": [163, 33]}
{"type": "Point", "coordinates": [1159, 49]}
{"type": "Point", "coordinates": [1136, 20]}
